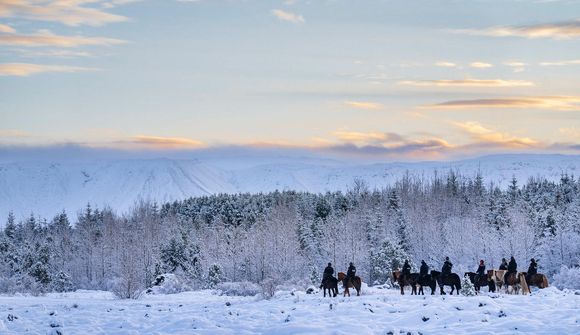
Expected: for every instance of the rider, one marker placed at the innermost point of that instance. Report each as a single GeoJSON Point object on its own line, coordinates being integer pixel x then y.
{"type": "Point", "coordinates": [447, 266]}
{"type": "Point", "coordinates": [480, 271]}
{"type": "Point", "coordinates": [424, 270]}
{"type": "Point", "coordinates": [504, 264]}
{"type": "Point", "coordinates": [512, 268]}
{"type": "Point", "coordinates": [328, 272]}
{"type": "Point", "coordinates": [406, 268]}
{"type": "Point", "coordinates": [350, 273]}
{"type": "Point", "coordinates": [532, 270]}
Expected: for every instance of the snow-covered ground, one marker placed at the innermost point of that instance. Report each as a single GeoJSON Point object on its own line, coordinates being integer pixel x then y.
{"type": "Point", "coordinates": [377, 311]}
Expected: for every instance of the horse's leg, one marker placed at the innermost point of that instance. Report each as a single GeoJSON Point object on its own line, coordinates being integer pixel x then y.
{"type": "Point", "coordinates": [402, 290]}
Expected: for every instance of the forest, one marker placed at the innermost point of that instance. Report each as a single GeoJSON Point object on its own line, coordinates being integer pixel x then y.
{"type": "Point", "coordinates": [288, 236]}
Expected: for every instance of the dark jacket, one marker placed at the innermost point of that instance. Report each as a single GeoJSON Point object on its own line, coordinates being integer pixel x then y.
{"type": "Point", "coordinates": [513, 266]}
{"type": "Point", "coordinates": [481, 270]}
{"type": "Point", "coordinates": [447, 266]}
{"type": "Point", "coordinates": [533, 269]}
{"type": "Point", "coordinates": [424, 269]}
{"type": "Point", "coordinates": [351, 272]}
{"type": "Point", "coordinates": [406, 269]}
{"type": "Point", "coordinates": [328, 272]}
{"type": "Point", "coordinates": [503, 266]}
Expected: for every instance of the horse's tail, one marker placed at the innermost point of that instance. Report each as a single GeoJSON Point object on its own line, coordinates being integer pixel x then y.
{"type": "Point", "coordinates": [545, 281]}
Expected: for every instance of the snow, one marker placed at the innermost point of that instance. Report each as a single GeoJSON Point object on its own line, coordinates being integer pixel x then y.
{"type": "Point", "coordinates": [47, 187]}
{"type": "Point", "coordinates": [377, 311]}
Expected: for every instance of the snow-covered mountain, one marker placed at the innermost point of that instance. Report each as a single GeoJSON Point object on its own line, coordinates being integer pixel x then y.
{"type": "Point", "coordinates": [46, 187]}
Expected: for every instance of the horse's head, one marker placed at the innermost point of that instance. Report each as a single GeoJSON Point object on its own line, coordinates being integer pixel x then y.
{"type": "Point", "coordinates": [341, 275]}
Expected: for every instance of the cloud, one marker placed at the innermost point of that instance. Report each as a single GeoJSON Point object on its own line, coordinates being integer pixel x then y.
{"type": "Point", "coordinates": [46, 38]}
{"type": "Point", "coordinates": [515, 64]}
{"type": "Point", "coordinates": [287, 16]}
{"type": "Point", "coordinates": [445, 64]}
{"type": "Point", "coordinates": [159, 142]}
{"type": "Point", "coordinates": [481, 65]}
{"type": "Point", "coordinates": [557, 30]}
{"type": "Point", "coordinates": [562, 63]}
{"type": "Point", "coordinates": [361, 138]}
{"type": "Point", "coordinates": [27, 69]}
{"type": "Point", "coordinates": [13, 133]}
{"type": "Point", "coordinates": [468, 83]}
{"type": "Point", "coordinates": [484, 135]}
{"type": "Point", "coordinates": [68, 12]}
{"type": "Point", "coordinates": [4, 28]}
{"type": "Point", "coordinates": [562, 103]}
{"type": "Point", "coordinates": [364, 105]}
{"type": "Point", "coordinates": [53, 53]}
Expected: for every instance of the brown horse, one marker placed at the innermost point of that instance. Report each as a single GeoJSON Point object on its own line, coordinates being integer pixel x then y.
{"type": "Point", "coordinates": [539, 280]}
{"type": "Point", "coordinates": [406, 280]}
{"type": "Point", "coordinates": [516, 281]}
{"type": "Point", "coordinates": [355, 282]}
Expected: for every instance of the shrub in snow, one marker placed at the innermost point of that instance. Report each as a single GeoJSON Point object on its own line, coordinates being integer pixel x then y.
{"type": "Point", "coordinates": [567, 278]}
{"type": "Point", "coordinates": [214, 276]}
{"type": "Point", "coordinates": [167, 283]}
{"type": "Point", "coordinates": [243, 289]}
{"type": "Point", "coordinates": [124, 289]}
{"type": "Point", "coordinates": [268, 286]}
{"type": "Point", "coordinates": [467, 288]}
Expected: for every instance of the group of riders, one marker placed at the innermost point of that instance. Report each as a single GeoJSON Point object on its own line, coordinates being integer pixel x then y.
{"type": "Point", "coordinates": [511, 268]}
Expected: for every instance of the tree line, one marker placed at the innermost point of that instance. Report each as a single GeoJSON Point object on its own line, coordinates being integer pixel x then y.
{"type": "Point", "coordinates": [290, 236]}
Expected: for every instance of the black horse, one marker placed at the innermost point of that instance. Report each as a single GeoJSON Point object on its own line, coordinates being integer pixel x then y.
{"type": "Point", "coordinates": [429, 281]}
{"type": "Point", "coordinates": [330, 284]}
{"type": "Point", "coordinates": [480, 281]}
{"type": "Point", "coordinates": [452, 280]}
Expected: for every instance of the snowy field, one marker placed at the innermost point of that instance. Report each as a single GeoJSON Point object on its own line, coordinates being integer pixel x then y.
{"type": "Point", "coordinates": [548, 311]}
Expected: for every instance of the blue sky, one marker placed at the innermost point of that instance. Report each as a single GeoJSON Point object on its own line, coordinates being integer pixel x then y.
{"type": "Point", "coordinates": [382, 79]}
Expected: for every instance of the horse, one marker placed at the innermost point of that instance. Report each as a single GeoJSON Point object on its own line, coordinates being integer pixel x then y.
{"type": "Point", "coordinates": [355, 282]}
{"type": "Point", "coordinates": [452, 280]}
{"type": "Point", "coordinates": [481, 281]}
{"type": "Point", "coordinates": [429, 281]}
{"type": "Point", "coordinates": [404, 280]}
{"type": "Point", "coordinates": [330, 284]}
{"type": "Point", "coordinates": [497, 277]}
{"type": "Point", "coordinates": [539, 280]}
{"type": "Point", "coordinates": [514, 280]}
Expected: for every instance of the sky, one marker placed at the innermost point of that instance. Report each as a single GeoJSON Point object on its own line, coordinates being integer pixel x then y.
{"type": "Point", "coordinates": [404, 80]}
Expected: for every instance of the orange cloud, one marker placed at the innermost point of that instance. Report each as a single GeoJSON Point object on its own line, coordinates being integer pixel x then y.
{"type": "Point", "coordinates": [445, 64]}
{"type": "Point", "coordinates": [71, 13]}
{"type": "Point", "coordinates": [46, 38]}
{"type": "Point", "coordinates": [484, 135]}
{"type": "Point", "coordinates": [563, 103]}
{"type": "Point", "coordinates": [287, 16]}
{"type": "Point", "coordinates": [364, 105]}
{"type": "Point", "coordinates": [159, 142]}
{"type": "Point", "coordinates": [481, 65]}
{"type": "Point", "coordinates": [27, 69]}
{"type": "Point", "coordinates": [558, 30]}
{"type": "Point", "coordinates": [468, 83]}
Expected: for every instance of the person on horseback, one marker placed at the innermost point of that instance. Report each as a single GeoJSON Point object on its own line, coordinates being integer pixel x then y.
{"type": "Point", "coordinates": [504, 264]}
{"type": "Point", "coordinates": [424, 270]}
{"type": "Point", "coordinates": [512, 268]}
{"type": "Point", "coordinates": [532, 269]}
{"type": "Point", "coordinates": [328, 272]}
{"type": "Point", "coordinates": [350, 273]}
{"type": "Point", "coordinates": [406, 268]}
{"type": "Point", "coordinates": [480, 273]}
{"type": "Point", "coordinates": [447, 266]}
